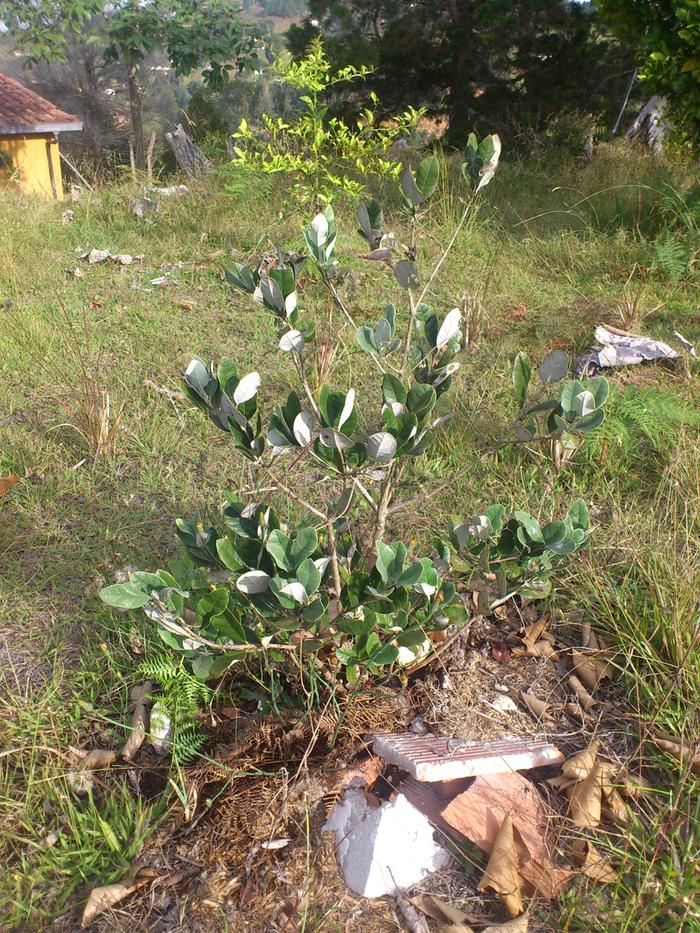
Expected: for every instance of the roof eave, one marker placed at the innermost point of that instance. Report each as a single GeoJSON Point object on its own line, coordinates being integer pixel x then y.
{"type": "Point", "coordinates": [26, 129]}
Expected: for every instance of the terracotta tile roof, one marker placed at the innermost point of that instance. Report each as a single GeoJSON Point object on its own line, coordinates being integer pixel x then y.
{"type": "Point", "coordinates": [23, 111]}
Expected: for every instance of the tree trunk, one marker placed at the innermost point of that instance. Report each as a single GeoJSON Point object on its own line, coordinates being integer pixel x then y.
{"type": "Point", "coordinates": [188, 155]}
{"type": "Point", "coordinates": [136, 107]}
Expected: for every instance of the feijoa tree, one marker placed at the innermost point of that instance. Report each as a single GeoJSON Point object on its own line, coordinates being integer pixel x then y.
{"type": "Point", "coordinates": [330, 598]}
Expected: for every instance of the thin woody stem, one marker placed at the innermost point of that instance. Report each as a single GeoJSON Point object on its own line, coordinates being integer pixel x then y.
{"type": "Point", "coordinates": [337, 586]}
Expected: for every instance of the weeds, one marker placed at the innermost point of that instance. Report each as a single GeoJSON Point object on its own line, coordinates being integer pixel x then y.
{"type": "Point", "coordinates": [639, 585]}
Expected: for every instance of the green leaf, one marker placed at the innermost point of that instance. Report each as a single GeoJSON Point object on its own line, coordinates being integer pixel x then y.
{"type": "Point", "coordinates": [530, 525]}
{"type": "Point", "coordinates": [589, 422]}
{"type": "Point", "coordinates": [579, 514]}
{"type": "Point", "coordinates": [390, 560]}
{"type": "Point", "coordinates": [393, 390]}
{"type": "Point", "coordinates": [521, 378]}
{"type": "Point", "coordinates": [309, 576]}
{"type": "Point", "coordinates": [421, 399]}
{"type": "Point", "coordinates": [409, 188]}
{"type": "Point", "coordinates": [124, 596]}
{"type": "Point", "coordinates": [411, 575]}
{"type": "Point", "coordinates": [600, 388]}
{"type": "Point", "coordinates": [242, 277]}
{"type": "Point", "coordinates": [303, 546]}
{"type": "Point", "coordinates": [386, 655]}
{"type": "Point", "coordinates": [227, 375]}
{"type": "Point", "coordinates": [279, 547]}
{"type": "Point", "coordinates": [427, 175]}
{"type": "Point", "coordinates": [365, 339]}
{"type": "Point", "coordinates": [406, 274]}
{"type": "Point", "coordinates": [568, 398]}
{"type": "Point", "coordinates": [228, 554]}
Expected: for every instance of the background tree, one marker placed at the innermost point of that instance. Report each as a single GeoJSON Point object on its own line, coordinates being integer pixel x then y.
{"type": "Point", "coordinates": [192, 35]}
{"type": "Point", "coordinates": [667, 37]}
{"type": "Point", "coordinates": [508, 63]}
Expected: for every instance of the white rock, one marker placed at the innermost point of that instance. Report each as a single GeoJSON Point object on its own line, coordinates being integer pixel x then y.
{"type": "Point", "coordinates": [382, 848]}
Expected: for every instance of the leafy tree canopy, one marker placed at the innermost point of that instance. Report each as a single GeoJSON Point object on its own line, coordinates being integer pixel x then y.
{"type": "Point", "coordinates": [209, 35]}
{"type": "Point", "coordinates": [509, 63]}
{"type": "Point", "coordinates": [667, 35]}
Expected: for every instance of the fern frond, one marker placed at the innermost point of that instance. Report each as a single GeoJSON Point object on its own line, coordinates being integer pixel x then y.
{"type": "Point", "coordinates": [671, 256]}
{"type": "Point", "coordinates": [181, 694]}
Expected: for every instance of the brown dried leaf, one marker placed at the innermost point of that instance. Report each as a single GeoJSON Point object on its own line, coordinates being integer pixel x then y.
{"type": "Point", "coordinates": [592, 863]}
{"type": "Point", "coordinates": [582, 695]}
{"type": "Point", "coordinates": [679, 750]}
{"type": "Point", "coordinates": [139, 719]}
{"type": "Point", "coordinates": [501, 874]}
{"type": "Point", "coordinates": [438, 910]}
{"type": "Point", "coordinates": [573, 709]}
{"type": "Point", "coordinates": [536, 707]}
{"type": "Point", "coordinates": [561, 782]}
{"type": "Point", "coordinates": [615, 806]}
{"type": "Point", "coordinates": [540, 649]}
{"type": "Point", "coordinates": [585, 799]}
{"type": "Point", "coordinates": [98, 758]}
{"type": "Point", "coordinates": [532, 633]}
{"type": "Point", "coordinates": [545, 878]}
{"type": "Point", "coordinates": [414, 921]}
{"type": "Point", "coordinates": [579, 766]}
{"type": "Point", "coordinates": [102, 898]}
{"type": "Point", "coordinates": [584, 667]}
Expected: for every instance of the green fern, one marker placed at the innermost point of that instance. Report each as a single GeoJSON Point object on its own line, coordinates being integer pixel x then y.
{"type": "Point", "coordinates": [672, 256]}
{"type": "Point", "coordinates": [182, 695]}
{"type": "Point", "coordinates": [642, 413]}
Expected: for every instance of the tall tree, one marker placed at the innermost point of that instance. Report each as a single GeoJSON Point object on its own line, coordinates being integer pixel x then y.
{"type": "Point", "coordinates": [667, 36]}
{"type": "Point", "coordinates": [208, 35]}
{"type": "Point", "coordinates": [489, 63]}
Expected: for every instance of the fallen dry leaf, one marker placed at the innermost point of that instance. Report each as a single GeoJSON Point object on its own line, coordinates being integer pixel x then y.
{"type": "Point", "coordinates": [585, 669]}
{"type": "Point", "coordinates": [540, 649]}
{"type": "Point", "coordinates": [501, 874]}
{"type": "Point", "coordinates": [592, 863]}
{"type": "Point", "coordinates": [585, 799]}
{"type": "Point", "coordinates": [98, 758]}
{"type": "Point", "coordinates": [6, 483]}
{"type": "Point", "coordinates": [561, 782]}
{"type": "Point", "coordinates": [580, 765]}
{"type": "Point", "coordinates": [615, 806]}
{"type": "Point", "coordinates": [102, 898]}
{"type": "Point", "coordinates": [536, 707]}
{"type": "Point", "coordinates": [450, 919]}
{"type": "Point", "coordinates": [545, 878]}
{"type": "Point", "coordinates": [139, 719]}
{"type": "Point", "coordinates": [532, 633]}
{"type": "Point", "coordinates": [414, 921]}
{"type": "Point", "coordinates": [582, 695]}
{"type": "Point", "coordinates": [679, 750]}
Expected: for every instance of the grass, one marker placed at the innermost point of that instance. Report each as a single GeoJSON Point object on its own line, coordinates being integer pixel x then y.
{"type": "Point", "coordinates": [74, 520]}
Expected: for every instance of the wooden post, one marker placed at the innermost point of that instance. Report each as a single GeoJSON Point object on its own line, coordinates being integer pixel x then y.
{"type": "Point", "coordinates": [54, 190]}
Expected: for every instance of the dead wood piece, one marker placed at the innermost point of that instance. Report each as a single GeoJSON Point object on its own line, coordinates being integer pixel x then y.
{"type": "Point", "coordinates": [188, 155]}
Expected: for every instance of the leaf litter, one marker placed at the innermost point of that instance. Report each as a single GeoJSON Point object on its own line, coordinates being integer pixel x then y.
{"type": "Point", "coordinates": [257, 802]}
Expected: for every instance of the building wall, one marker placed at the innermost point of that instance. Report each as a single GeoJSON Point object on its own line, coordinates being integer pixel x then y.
{"type": "Point", "coordinates": [29, 157]}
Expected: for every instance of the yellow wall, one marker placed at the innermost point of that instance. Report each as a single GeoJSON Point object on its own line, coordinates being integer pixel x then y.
{"type": "Point", "coordinates": [30, 164]}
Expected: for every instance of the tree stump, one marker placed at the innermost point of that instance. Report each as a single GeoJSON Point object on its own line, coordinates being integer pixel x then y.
{"type": "Point", "coordinates": [188, 155]}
